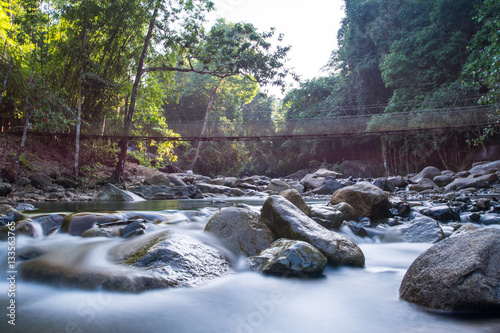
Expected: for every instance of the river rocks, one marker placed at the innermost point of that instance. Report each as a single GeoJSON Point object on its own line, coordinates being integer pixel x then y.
{"type": "Point", "coordinates": [9, 214]}
{"type": "Point", "coordinates": [289, 257]}
{"type": "Point", "coordinates": [366, 198]}
{"type": "Point", "coordinates": [216, 189]}
{"type": "Point", "coordinates": [483, 168]}
{"type": "Point", "coordinates": [40, 180]}
{"type": "Point", "coordinates": [442, 180]}
{"type": "Point", "coordinates": [224, 181]}
{"type": "Point", "coordinates": [421, 230]}
{"type": "Point", "coordinates": [461, 273]}
{"type": "Point", "coordinates": [5, 189]}
{"type": "Point", "coordinates": [328, 217]}
{"type": "Point", "coordinates": [287, 221]}
{"type": "Point", "coordinates": [294, 197]}
{"type": "Point", "coordinates": [112, 193]}
{"type": "Point", "coordinates": [427, 173]}
{"type": "Point", "coordinates": [241, 230]}
{"type": "Point", "coordinates": [469, 182]}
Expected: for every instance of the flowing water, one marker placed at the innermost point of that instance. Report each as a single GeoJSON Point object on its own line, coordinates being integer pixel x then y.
{"type": "Point", "coordinates": [343, 300]}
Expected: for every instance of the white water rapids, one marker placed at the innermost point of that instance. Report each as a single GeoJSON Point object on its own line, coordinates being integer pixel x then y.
{"type": "Point", "coordinates": [343, 300]}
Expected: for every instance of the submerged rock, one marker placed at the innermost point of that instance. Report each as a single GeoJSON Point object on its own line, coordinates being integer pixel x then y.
{"type": "Point", "coordinates": [241, 230]}
{"type": "Point", "coordinates": [289, 257]}
{"type": "Point", "coordinates": [461, 273]}
{"type": "Point", "coordinates": [366, 198]}
{"type": "Point", "coordinates": [287, 221]}
{"type": "Point", "coordinates": [159, 260]}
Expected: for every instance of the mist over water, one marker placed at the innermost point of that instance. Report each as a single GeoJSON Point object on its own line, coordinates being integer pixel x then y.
{"type": "Point", "coordinates": [343, 300]}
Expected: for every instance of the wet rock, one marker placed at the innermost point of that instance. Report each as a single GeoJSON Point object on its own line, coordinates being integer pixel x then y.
{"type": "Point", "coordinates": [287, 221]}
{"type": "Point", "coordinates": [157, 180]}
{"type": "Point", "coordinates": [429, 172]}
{"type": "Point", "coordinates": [356, 228]}
{"type": "Point", "coordinates": [296, 185]}
{"type": "Point", "coordinates": [50, 223]}
{"type": "Point", "coordinates": [241, 230]}
{"type": "Point", "coordinates": [397, 181]}
{"type": "Point", "coordinates": [9, 214]}
{"type": "Point", "coordinates": [461, 273]}
{"type": "Point", "coordinates": [224, 181]}
{"type": "Point", "coordinates": [404, 209]}
{"type": "Point", "coordinates": [324, 173]}
{"type": "Point", "coordinates": [330, 218]}
{"type": "Point", "coordinates": [421, 230]}
{"type": "Point", "coordinates": [464, 228]}
{"type": "Point", "coordinates": [76, 224]}
{"type": "Point", "coordinates": [464, 183]}
{"type": "Point", "coordinates": [135, 228]}
{"type": "Point", "coordinates": [294, 197]}
{"type": "Point", "coordinates": [112, 193]}
{"type": "Point", "coordinates": [489, 219]}
{"type": "Point", "coordinates": [5, 189]}
{"type": "Point", "coordinates": [367, 199]}
{"type": "Point", "coordinates": [237, 192]}
{"type": "Point", "coordinates": [277, 186]}
{"type": "Point", "coordinates": [348, 212]}
{"type": "Point", "coordinates": [24, 227]}
{"type": "Point", "coordinates": [40, 180]}
{"type": "Point", "coordinates": [329, 186]}
{"type": "Point", "coordinates": [97, 232]}
{"type": "Point", "coordinates": [442, 180]}
{"type": "Point", "coordinates": [441, 213]}
{"type": "Point", "coordinates": [311, 181]}
{"type": "Point", "coordinates": [289, 257]}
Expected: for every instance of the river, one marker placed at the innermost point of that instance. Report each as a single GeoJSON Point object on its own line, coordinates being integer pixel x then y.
{"type": "Point", "coordinates": [342, 300]}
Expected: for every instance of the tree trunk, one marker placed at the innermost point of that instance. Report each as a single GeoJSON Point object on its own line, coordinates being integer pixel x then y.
{"type": "Point", "coordinates": [205, 123]}
{"type": "Point", "coordinates": [6, 77]}
{"type": "Point", "coordinates": [127, 125]}
{"type": "Point", "coordinates": [79, 115]}
{"type": "Point", "coordinates": [27, 116]}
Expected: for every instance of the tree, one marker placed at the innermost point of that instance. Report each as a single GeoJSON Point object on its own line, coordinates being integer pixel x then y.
{"type": "Point", "coordinates": [228, 50]}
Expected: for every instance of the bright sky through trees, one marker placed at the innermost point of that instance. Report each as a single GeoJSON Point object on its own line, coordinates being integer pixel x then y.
{"type": "Point", "coordinates": [310, 27]}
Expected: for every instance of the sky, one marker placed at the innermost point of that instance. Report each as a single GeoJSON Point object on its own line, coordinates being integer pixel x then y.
{"type": "Point", "coordinates": [310, 27]}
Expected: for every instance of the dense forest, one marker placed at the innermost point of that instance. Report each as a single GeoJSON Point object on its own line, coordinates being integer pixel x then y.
{"type": "Point", "coordinates": [159, 69]}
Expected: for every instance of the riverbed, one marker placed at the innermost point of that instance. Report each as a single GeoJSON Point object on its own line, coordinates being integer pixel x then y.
{"type": "Point", "coordinates": [342, 300]}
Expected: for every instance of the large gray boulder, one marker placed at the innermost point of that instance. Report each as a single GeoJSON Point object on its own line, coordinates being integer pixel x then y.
{"type": "Point", "coordinates": [425, 184]}
{"type": "Point", "coordinates": [469, 182]}
{"type": "Point", "coordinates": [461, 273]}
{"type": "Point", "coordinates": [112, 193]}
{"type": "Point", "coordinates": [40, 180]}
{"type": "Point", "coordinates": [289, 257]}
{"type": "Point", "coordinates": [287, 221]}
{"type": "Point", "coordinates": [366, 198]}
{"type": "Point", "coordinates": [329, 186]}
{"type": "Point", "coordinates": [277, 186]}
{"type": "Point", "coordinates": [485, 167]}
{"type": "Point", "coordinates": [241, 230]}
{"type": "Point", "coordinates": [157, 180]}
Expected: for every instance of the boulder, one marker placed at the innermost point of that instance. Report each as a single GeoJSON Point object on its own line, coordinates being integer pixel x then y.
{"type": "Point", "coordinates": [323, 173]}
{"type": "Point", "coordinates": [40, 180]}
{"type": "Point", "coordinates": [384, 184]}
{"type": "Point", "coordinates": [9, 214]}
{"type": "Point", "coordinates": [157, 180]}
{"type": "Point", "coordinates": [76, 224]}
{"type": "Point", "coordinates": [329, 186]}
{"type": "Point", "coordinates": [330, 218]}
{"type": "Point", "coordinates": [461, 273]}
{"type": "Point", "coordinates": [294, 197]}
{"type": "Point", "coordinates": [241, 230]}
{"type": "Point", "coordinates": [112, 193]}
{"type": "Point", "coordinates": [289, 257]}
{"type": "Point", "coordinates": [425, 184]}
{"type": "Point", "coordinates": [442, 180]}
{"type": "Point", "coordinates": [170, 169]}
{"type": "Point", "coordinates": [348, 211]}
{"type": "Point", "coordinates": [225, 181]}
{"type": "Point", "coordinates": [397, 181]}
{"type": "Point", "coordinates": [485, 167]}
{"type": "Point", "coordinates": [9, 174]}
{"type": "Point", "coordinates": [216, 189]}
{"type": "Point", "coordinates": [421, 230]}
{"type": "Point", "coordinates": [5, 189]}
{"type": "Point", "coordinates": [175, 180]}
{"type": "Point", "coordinates": [463, 183]}
{"type": "Point", "coordinates": [311, 182]}
{"type": "Point", "coordinates": [158, 260]}
{"type": "Point", "coordinates": [277, 186]}
{"type": "Point", "coordinates": [287, 221]}
{"type": "Point", "coordinates": [429, 173]}
{"type": "Point", "coordinates": [367, 199]}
